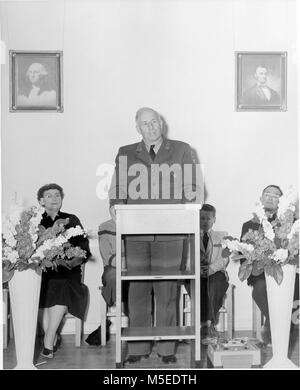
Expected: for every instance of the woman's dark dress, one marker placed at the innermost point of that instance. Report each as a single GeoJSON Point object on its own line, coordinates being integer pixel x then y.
{"type": "Point", "coordinates": [64, 287]}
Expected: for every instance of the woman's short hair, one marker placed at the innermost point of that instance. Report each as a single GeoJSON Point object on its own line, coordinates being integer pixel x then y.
{"type": "Point", "coordinates": [51, 186]}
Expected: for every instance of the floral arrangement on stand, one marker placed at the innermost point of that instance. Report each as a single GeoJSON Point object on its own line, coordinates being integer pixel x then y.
{"type": "Point", "coordinates": [28, 245]}
{"type": "Point", "coordinates": [270, 247]}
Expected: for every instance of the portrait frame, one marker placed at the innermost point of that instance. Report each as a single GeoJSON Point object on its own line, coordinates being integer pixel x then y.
{"type": "Point", "coordinates": [261, 81]}
{"type": "Point", "coordinates": [36, 81]}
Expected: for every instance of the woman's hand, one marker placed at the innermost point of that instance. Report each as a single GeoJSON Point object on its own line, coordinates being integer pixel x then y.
{"type": "Point", "coordinates": [74, 262]}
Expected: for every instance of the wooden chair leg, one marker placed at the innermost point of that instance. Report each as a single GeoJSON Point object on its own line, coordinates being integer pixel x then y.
{"type": "Point", "coordinates": [230, 312]}
{"type": "Point", "coordinates": [181, 306]}
{"type": "Point", "coordinates": [78, 332]}
{"type": "Point", "coordinates": [103, 312]}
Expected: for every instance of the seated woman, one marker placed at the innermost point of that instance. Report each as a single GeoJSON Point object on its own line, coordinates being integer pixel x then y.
{"type": "Point", "coordinates": [61, 288]}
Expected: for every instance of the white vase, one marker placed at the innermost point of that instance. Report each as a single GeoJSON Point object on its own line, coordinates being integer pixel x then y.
{"type": "Point", "coordinates": [280, 301]}
{"type": "Point", "coordinates": [24, 290]}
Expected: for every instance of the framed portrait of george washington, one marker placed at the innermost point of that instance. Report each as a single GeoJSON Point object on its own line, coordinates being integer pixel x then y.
{"type": "Point", "coordinates": [261, 81]}
{"type": "Point", "coordinates": [35, 81]}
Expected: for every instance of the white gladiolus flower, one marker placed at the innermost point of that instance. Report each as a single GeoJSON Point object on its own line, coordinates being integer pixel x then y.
{"type": "Point", "coordinates": [10, 254]}
{"type": "Point", "coordinates": [243, 246]}
{"type": "Point", "coordinates": [294, 230]}
{"type": "Point", "coordinates": [287, 202]}
{"type": "Point", "coordinates": [8, 231]}
{"type": "Point", "coordinates": [15, 213]}
{"type": "Point", "coordinates": [280, 255]}
{"type": "Point", "coordinates": [260, 211]}
{"type": "Point", "coordinates": [268, 230]}
{"type": "Point", "coordinates": [74, 231]}
{"type": "Point", "coordinates": [50, 244]}
{"type": "Point", "coordinates": [36, 220]}
{"type": "Point", "coordinates": [236, 246]}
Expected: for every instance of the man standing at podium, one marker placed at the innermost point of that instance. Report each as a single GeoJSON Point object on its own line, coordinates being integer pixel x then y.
{"type": "Point", "coordinates": [155, 170]}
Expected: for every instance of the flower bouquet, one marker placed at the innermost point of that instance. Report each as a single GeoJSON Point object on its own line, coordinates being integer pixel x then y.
{"type": "Point", "coordinates": [270, 247]}
{"type": "Point", "coordinates": [28, 245]}
{"type": "Point", "coordinates": [274, 250]}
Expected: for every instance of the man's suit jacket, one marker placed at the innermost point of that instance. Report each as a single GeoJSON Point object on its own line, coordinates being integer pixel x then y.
{"type": "Point", "coordinates": [213, 253]}
{"type": "Point", "coordinates": [133, 161]}
{"type": "Point", "coordinates": [255, 96]}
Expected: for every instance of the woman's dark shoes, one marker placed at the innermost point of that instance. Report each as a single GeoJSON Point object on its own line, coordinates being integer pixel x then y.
{"type": "Point", "coordinates": [57, 345]}
{"type": "Point", "coordinates": [135, 358]}
{"type": "Point", "coordinates": [48, 353]}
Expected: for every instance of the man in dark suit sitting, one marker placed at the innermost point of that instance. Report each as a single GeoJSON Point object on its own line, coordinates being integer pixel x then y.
{"type": "Point", "coordinates": [270, 200]}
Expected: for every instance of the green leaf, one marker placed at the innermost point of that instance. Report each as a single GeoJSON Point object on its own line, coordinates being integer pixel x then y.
{"type": "Point", "coordinates": [226, 252]}
{"type": "Point", "coordinates": [7, 274]}
{"type": "Point", "coordinates": [257, 268]}
{"type": "Point", "coordinates": [277, 242]}
{"type": "Point", "coordinates": [245, 271]}
{"type": "Point", "coordinates": [47, 263]}
{"type": "Point", "coordinates": [22, 266]}
{"type": "Point", "coordinates": [39, 271]}
{"type": "Point", "coordinates": [275, 271]}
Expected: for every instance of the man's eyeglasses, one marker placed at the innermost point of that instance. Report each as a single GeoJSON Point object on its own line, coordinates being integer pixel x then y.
{"type": "Point", "coordinates": [272, 196]}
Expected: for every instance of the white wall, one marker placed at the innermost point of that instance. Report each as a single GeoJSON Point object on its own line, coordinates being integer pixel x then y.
{"type": "Point", "coordinates": [176, 56]}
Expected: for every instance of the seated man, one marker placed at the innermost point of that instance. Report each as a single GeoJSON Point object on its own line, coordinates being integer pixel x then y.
{"type": "Point", "coordinates": [107, 246]}
{"type": "Point", "coordinates": [214, 278]}
{"type": "Point", "coordinates": [270, 200]}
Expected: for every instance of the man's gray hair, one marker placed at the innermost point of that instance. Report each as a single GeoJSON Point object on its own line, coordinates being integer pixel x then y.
{"type": "Point", "coordinates": [140, 110]}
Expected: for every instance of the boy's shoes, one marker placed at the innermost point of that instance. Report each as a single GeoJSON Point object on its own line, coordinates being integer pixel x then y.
{"type": "Point", "coordinates": [135, 358]}
{"type": "Point", "coordinates": [168, 359]}
{"type": "Point", "coordinates": [209, 340]}
{"type": "Point", "coordinates": [212, 336]}
{"type": "Point", "coordinates": [48, 353]}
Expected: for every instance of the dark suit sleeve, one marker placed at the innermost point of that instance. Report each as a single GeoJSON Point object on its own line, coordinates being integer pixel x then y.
{"type": "Point", "coordinates": [118, 189]}
{"type": "Point", "coordinates": [245, 228]}
{"type": "Point", "coordinates": [192, 183]}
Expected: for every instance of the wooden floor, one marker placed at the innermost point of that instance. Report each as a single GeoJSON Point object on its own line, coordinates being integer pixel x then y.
{"type": "Point", "coordinates": [94, 357]}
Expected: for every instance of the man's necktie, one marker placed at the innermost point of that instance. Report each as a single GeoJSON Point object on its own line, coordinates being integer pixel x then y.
{"type": "Point", "coordinates": [151, 152]}
{"type": "Point", "coordinates": [205, 240]}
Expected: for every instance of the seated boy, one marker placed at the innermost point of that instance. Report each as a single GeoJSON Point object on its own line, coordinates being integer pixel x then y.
{"type": "Point", "coordinates": [107, 246]}
{"type": "Point", "coordinates": [214, 278]}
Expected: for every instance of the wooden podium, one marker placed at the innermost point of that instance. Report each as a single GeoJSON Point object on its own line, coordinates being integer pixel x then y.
{"type": "Point", "coordinates": [160, 219]}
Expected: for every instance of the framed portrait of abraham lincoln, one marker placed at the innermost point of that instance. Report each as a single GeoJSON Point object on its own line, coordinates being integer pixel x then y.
{"type": "Point", "coordinates": [261, 81]}
{"type": "Point", "coordinates": [36, 81]}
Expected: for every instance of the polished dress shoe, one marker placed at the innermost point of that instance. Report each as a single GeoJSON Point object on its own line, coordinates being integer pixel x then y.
{"type": "Point", "coordinates": [169, 359]}
{"type": "Point", "coordinates": [135, 358]}
{"type": "Point", "coordinates": [48, 353]}
{"type": "Point", "coordinates": [56, 346]}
